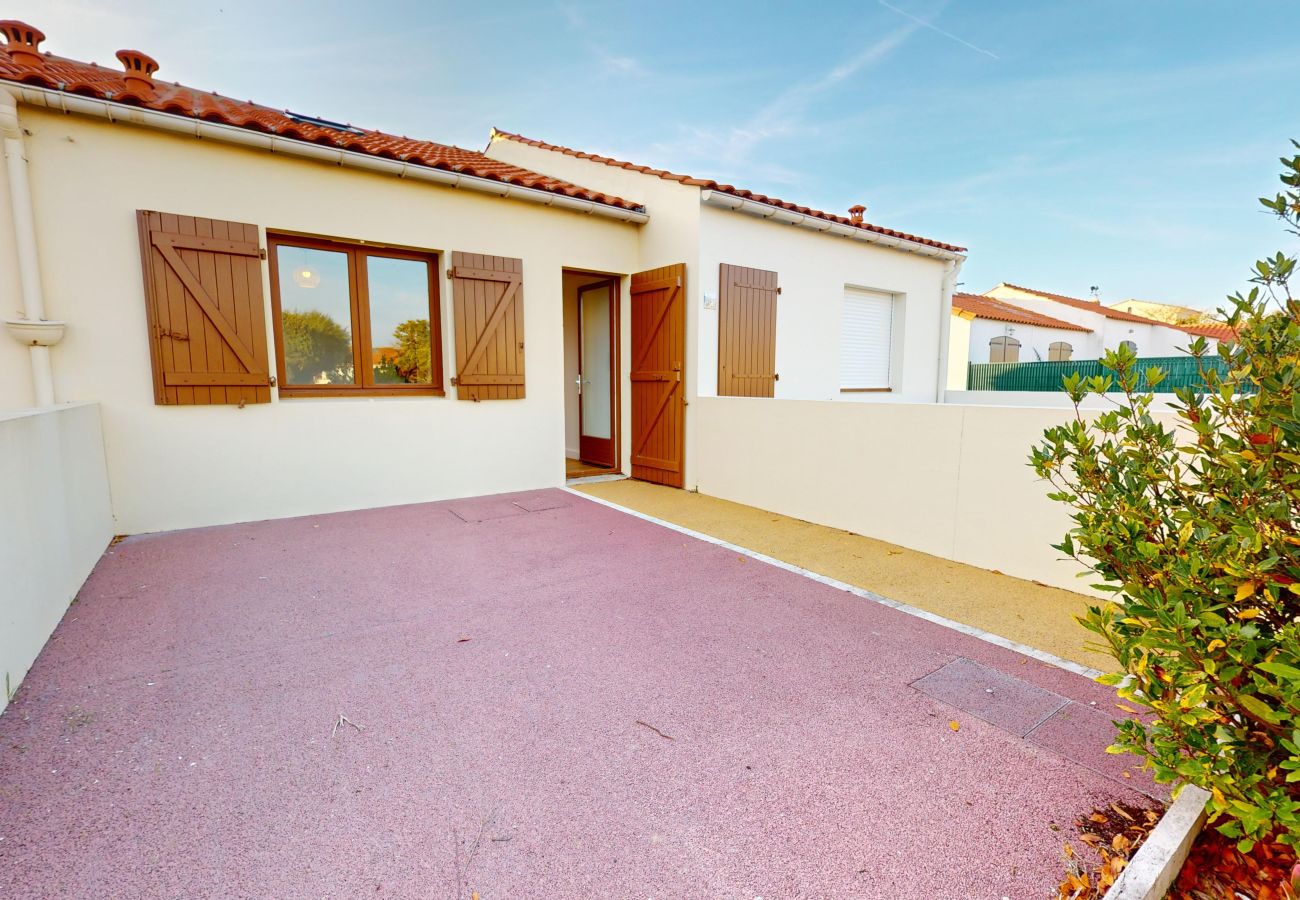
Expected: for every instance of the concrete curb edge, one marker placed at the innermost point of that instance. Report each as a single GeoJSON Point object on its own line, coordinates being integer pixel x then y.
{"type": "Point", "coordinates": [1158, 861]}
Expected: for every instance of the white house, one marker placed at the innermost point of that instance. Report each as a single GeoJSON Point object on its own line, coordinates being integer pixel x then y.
{"type": "Point", "coordinates": [280, 314]}
{"type": "Point", "coordinates": [1111, 327]}
{"type": "Point", "coordinates": [998, 331]}
{"type": "Point", "coordinates": [874, 295]}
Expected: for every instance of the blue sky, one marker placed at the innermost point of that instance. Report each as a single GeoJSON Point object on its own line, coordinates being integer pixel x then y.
{"type": "Point", "coordinates": [1066, 143]}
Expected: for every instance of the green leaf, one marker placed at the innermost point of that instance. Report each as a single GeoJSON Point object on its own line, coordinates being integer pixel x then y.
{"type": "Point", "coordinates": [1257, 708]}
{"type": "Point", "coordinates": [1280, 669]}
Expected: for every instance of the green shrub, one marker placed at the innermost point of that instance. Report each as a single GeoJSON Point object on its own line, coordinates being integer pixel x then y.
{"type": "Point", "coordinates": [1193, 524]}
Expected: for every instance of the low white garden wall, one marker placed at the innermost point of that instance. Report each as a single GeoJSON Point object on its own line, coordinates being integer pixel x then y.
{"type": "Point", "coordinates": [949, 480]}
{"type": "Point", "coordinates": [1041, 399]}
{"type": "Point", "coordinates": [55, 521]}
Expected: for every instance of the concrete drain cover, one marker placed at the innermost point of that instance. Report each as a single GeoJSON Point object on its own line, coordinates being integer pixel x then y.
{"type": "Point", "coordinates": [481, 510]}
{"type": "Point", "coordinates": [997, 698]}
{"type": "Point", "coordinates": [540, 502]}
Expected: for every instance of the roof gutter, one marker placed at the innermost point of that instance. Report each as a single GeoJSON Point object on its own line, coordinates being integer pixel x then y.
{"type": "Point", "coordinates": [813, 223]}
{"type": "Point", "coordinates": [259, 140]}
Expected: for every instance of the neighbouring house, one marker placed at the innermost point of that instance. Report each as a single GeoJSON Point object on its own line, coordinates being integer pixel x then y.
{"type": "Point", "coordinates": [986, 329]}
{"type": "Point", "coordinates": [1170, 313]}
{"type": "Point", "coordinates": [252, 295]}
{"type": "Point", "coordinates": [1147, 337]}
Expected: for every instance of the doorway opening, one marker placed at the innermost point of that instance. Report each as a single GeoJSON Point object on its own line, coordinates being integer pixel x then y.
{"type": "Point", "coordinates": [591, 374]}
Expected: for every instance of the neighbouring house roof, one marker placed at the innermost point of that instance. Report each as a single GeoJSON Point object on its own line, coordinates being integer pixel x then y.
{"type": "Point", "coordinates": [1093, 306]}
{"type": "Point", "coordinates": [1172, 309]}
{"type": "Point", "coordinates": [91, 80]}
{"type": "Point", "coordinates": [1215, 330]}
{"type": "Point", "coordinates": [707, 184]}
{"type": "Point", "coordinates": [999, 310]}
{"type": "Point", "coordinates": [1212, 330]}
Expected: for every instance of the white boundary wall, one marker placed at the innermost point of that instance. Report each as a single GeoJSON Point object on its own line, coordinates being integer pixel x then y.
{"type": "Point", "coordinates": [1049, 400]}
{"type": "Point", "coordinates": [57, 521]}
{"type": "Point", "coordinates": [952, 481]}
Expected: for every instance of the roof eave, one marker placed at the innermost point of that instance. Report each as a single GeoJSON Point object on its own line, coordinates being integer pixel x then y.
{"type": "Point", "coordinates": [175, 123]}
{"type": "Point", "coordinates": [723, 200]}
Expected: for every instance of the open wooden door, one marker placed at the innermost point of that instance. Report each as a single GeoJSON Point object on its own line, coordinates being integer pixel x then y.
{"type": "Point", "coordinates": [658, 357]}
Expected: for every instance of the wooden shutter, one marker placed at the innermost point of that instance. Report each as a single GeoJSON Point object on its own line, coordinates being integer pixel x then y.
{"type": "Point", "coordinates": [488, 306]}
{"type": "Point", "coordinates": [658, 352]}
{"type": "Point", "coordinates": [866, 340]}
{"type": "Point", "coordinates": [207, 317]}
{"type": "Point", "coordinates": [1004, 349]}
{"type": "Point", "coordinates": [746, 332]}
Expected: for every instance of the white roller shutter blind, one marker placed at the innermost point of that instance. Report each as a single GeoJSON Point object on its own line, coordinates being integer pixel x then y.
{"type": "Point", "coordinates": [866, 339]}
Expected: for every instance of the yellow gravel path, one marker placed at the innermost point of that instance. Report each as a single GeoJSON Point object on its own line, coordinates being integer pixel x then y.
{"type": "Point", "coordinates": [1024, 611]}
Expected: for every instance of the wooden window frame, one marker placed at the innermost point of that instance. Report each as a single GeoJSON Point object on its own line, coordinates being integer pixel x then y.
{"type": "Point", "coordinates": [359, 307]}
{"type": "Point", "coordinates": [1053, 348]}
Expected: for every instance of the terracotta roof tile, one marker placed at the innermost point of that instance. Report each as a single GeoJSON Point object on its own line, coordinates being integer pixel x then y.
{"type": "Point", "coordinates": [1002, 311]}
{"type": "Point", "coordinates": [1090, 305]}
{"type": "Point", "coordinates": [91, 80]}
{"type": "Point", "coordinates": [734, 191]}
{"type": "Point", "coordinates": [1215, 330]}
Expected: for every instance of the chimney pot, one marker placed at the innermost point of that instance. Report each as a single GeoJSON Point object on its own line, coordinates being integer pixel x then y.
{"type": "Point", "coordinates": [139, 69]}
{"type": "Point", "coordinates": [855, 214]}
{"type": "Point", "coordinates": [23, 42]}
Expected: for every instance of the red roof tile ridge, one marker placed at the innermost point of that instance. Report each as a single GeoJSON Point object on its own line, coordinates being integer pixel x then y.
{"type": "Point", "coordinates": [707, 184]}
{"type": "Point", "coordinates": [57, 73]}
{"type": "Point", "coordinates": [1000, 310]}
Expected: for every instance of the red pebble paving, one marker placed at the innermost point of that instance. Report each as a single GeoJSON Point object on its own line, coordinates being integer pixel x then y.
{"type": "Point", "coordinates": [555, 700]}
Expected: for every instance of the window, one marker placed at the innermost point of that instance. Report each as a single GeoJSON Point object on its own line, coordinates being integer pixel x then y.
{"type": "Point", "coordinates": [1130, 345]}
{"type": "Point", "coordinates": [1004, 349]}
{"type": "Point", "coordinates": [1059, 351]}
{"type": "Point", "coordinates": [354, 319]}
{"type": "Point", "coordinates": [866, 340]}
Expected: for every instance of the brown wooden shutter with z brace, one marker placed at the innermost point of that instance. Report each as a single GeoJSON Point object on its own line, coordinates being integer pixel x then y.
{"type": "Point", "coordinates": [207, 317]}
{"type": "Point", "coordinates": [488, 310]}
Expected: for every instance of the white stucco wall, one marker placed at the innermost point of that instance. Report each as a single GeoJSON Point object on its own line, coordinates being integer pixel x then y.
{"type": "Point", "coordinates": [813, 270]}
{"type": "Point", "coordinates": [948, 480]}
{"type": "Point", "coordinates": [174, 467]}
{"type": "Point", "coordinates": [1046, 399]}
{"type": "Point", "coordinates": [56, 522]}
{"type": "Point", "coordinates": [959, 350]}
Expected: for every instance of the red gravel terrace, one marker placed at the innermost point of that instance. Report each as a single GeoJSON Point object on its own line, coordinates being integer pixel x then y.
{"type": "Point", "coordinates": [527, 695]}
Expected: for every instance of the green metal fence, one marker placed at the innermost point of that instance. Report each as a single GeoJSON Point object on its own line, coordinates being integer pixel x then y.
{"type": "Point", "coordinates": [1180, 371]}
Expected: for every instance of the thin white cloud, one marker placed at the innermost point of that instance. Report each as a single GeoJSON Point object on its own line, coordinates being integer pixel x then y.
{"type": "Point", "coordinates": [926, 23]}
{"type": "Point", "coordinates": [731, 152]}
{"type": "Point", "coordinates": [620, 65]}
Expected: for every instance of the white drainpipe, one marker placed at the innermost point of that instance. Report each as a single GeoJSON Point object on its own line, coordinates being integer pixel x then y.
{"type": "Point", "coordinates": [32, 330]}
{"type": "Point", "coordinates": [951, 268]}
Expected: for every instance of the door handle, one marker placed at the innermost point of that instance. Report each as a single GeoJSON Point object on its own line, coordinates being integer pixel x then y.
{"type": "Point", "coordinates": [578, 382]}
